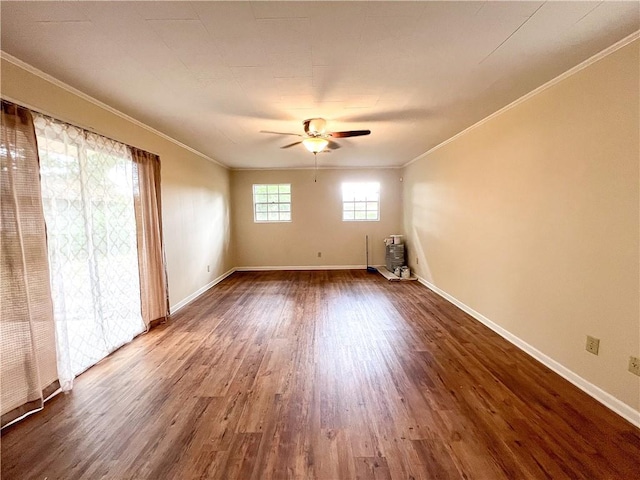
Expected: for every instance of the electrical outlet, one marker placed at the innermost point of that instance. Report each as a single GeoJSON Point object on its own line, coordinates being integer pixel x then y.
{"type": "Point", "coordinates": [593, 345]}
{"type": "Point", "coordinates": [634, 365]}
{"type": "Point", "coordinates": [319, 254]}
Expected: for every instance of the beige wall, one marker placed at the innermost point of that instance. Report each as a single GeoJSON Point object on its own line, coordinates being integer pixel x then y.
{"type": "Point", "coordinates": [195, 191]}
{"type": "Point", "coordinates": [317, 224]}
{"type": "Point", "coordinates": [532, 220]}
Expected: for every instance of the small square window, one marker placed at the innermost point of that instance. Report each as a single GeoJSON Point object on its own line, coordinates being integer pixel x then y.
{"type": "Point", "coordinates": [272, 203]}
{"type": "Point", "coordinates": [361, 202]}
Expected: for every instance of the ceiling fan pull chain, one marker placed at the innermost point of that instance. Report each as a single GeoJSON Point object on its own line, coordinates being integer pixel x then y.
{"type": "Point", "coordinates": [315, 172]}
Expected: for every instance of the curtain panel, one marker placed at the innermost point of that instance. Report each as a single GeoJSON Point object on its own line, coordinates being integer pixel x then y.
{"type": "Point", "coordinates": [151, 265]}
{"type": "Point", "coordinates": [27, 331]}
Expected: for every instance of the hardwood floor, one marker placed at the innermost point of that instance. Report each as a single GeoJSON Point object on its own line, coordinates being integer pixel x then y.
{"type": "Point", "coordinates": [321, 375]}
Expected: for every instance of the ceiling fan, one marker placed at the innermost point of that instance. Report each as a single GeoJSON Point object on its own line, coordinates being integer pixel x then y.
{"type": "Point", "coordinates": [316, 138]}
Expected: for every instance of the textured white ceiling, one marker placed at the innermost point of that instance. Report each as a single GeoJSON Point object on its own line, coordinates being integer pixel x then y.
{"type": "Point", "coordinates": [213, 74]}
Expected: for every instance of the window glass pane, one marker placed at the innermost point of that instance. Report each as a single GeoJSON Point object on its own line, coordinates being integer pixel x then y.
{"type": "Point", "coordinates": [361, 201]}
{"type": "Point", "coordinates": [269, 200]}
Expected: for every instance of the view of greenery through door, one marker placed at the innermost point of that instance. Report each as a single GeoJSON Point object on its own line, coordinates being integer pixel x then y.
{"type": "Point", "coordinates": [87, 196]}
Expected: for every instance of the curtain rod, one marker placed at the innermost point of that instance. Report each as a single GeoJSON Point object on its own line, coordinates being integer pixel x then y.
{"type": "Point", "coordinates": [73, 124]}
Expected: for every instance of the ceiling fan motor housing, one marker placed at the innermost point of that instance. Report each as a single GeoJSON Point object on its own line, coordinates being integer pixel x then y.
{"type": "Point", "coordinates": [315, 126]}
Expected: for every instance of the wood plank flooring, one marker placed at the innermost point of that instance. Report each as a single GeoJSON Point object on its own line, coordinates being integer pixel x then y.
{"type": "Point", "coordinates": [321, 375]}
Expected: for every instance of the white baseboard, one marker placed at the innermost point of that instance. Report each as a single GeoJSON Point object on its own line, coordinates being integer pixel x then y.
{"type": "Point", "coordinates": [608, 400]}
{"type": "Point", "coordinates": [301, 267]}
{"type": "Point", "coordinates": [182, 303]}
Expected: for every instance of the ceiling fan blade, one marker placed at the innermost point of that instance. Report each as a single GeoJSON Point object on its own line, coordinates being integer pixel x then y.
{"type": "Point", "coordinates": [292, 144]}
{"type": "Point", "coordinates": [280, 133]}
{"type": "Point", "coordinates": [333, 145]}
{"type": "Point", "coordinates": [350, 133]}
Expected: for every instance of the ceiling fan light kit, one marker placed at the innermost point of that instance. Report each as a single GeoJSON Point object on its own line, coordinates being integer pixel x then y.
{"type": "Point", "coordinates": [315, 144]}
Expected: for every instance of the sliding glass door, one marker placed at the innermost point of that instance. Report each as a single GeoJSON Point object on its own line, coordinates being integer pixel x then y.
{"type": "Point", "coordinates": [87, 195]}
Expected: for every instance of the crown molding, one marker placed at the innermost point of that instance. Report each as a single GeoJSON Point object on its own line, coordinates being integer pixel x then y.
{"type": "Point", "coordinates": [59, 83]}
{"type": "Point", "coordinates": [563, 76]}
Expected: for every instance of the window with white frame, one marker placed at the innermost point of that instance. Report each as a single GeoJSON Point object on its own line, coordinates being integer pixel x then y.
{"type": "Point", "coordinates": [272, 202]}
{"type": "Point", "coordinates": [361, 201]}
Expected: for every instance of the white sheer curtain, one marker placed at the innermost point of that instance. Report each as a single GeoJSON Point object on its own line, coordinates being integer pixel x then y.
{"type": "Point", "coordinates": [88, 203]}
